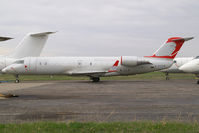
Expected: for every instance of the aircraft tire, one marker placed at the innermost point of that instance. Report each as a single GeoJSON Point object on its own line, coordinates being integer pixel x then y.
{"type": "Point", "coordinates": [96, 79]}
{"type": "Point", "coordinates": [16, 81]}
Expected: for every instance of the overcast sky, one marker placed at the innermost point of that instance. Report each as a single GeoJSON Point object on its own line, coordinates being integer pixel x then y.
{"type": "Point", "coordinates": [101, 27]}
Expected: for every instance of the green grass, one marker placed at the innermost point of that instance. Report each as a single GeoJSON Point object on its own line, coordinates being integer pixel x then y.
{"type": "Point", "coordinates": [115, 127]}
{"type": "Point", "coordinates": [152, 75]}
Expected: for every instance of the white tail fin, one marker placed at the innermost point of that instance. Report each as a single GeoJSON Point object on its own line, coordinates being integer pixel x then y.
{"type": "Point", "coordinates": [31, 45]}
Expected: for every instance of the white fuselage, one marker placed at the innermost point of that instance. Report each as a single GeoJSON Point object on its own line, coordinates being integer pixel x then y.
{"type": "Point", "coordinates": [89, 66]}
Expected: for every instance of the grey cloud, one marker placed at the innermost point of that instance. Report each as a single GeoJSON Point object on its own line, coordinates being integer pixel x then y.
{"type": "Point", "coordinates": [102, 27]}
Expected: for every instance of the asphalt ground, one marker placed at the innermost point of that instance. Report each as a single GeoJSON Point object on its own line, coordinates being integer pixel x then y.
{"type": "Point", "coordinates": [124, 100]}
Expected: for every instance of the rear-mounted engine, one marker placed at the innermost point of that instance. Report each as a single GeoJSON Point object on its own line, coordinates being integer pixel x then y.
{"type": "Point", "coordinates": [133, 61]}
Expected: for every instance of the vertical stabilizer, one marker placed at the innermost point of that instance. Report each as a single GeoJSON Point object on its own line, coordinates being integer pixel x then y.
{"type": "Point", "coordinates": [170, 49]}
{"type": "Point", "coordinates": [31, 45]}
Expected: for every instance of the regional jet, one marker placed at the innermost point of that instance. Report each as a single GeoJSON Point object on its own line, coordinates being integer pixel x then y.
{"type": "Point", "coordinates": [96, 67]}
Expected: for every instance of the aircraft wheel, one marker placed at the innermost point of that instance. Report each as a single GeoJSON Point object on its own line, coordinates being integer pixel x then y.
{"type": "Point", "coordinates": [96, 79]}
{"type": "Point", "coordinates": [16, 78]}
{"type": "Point", "coordinates": [16, 81]}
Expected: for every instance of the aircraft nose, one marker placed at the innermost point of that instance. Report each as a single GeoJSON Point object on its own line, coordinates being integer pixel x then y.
{"type": "Point", "coordinates": [186, 68]}
{"type": "Point", "coordinates": [7, 70]}
{"type": "Point", "coordinates": [4, 70]}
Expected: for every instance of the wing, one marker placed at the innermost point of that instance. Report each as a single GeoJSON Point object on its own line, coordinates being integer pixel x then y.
{"type": "Point", "coordinates": [88, 73]}
{"type": "Point", "coordinates": [96, 73]}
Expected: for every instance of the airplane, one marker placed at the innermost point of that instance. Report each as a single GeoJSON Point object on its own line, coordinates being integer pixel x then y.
{"type": "Point", "coordinates": [96, 67]}
{"type": "Point", "coordinates": [31, 45]}
{"type": "Point", "coordinates": [177, 62]}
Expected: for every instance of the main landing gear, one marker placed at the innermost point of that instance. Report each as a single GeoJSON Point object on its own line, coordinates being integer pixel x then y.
{"type": "Point", "coordinates": [17, 79]}
{"type": "Point", "coordinates": [167, 76]}
{"type": "Point", "coordinates": [197, 78]}
{"type": "Point", "coordinates": [95, 79]}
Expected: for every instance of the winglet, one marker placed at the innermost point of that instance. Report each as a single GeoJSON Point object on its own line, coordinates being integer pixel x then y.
{"type": "Point", "coordinates": [116, 63]}
{"type": "Point", "coordinates": [114, 67]}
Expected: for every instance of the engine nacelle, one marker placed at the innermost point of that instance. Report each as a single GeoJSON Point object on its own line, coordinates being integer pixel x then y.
{"type": "Point", "coordinates": [133, 61]}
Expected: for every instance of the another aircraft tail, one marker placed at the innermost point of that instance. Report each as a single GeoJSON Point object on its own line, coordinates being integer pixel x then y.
{"type": "Point", "coordinates": [5, 38]}
{"type": "Point", "coordinates": [170, 49]}
{"type": "Point", "coordinates": [31, 45]}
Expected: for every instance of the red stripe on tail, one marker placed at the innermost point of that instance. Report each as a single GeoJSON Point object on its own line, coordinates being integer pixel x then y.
{"type": "Point", "coordinates": [178, 41]}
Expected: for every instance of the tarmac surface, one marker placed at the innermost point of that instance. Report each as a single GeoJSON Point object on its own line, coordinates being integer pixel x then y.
{"type": "Point", "coordinates": [105, 101]}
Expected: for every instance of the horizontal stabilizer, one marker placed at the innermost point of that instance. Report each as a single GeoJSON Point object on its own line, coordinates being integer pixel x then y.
{"type": "Point", "coordinates": [5, 38]}
{"type": "Point", "coordinates": [184, 39]}
{"type": "Point", "coordinates": [41, 34]}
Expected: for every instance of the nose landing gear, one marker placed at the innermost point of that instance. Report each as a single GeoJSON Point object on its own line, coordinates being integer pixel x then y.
{"type": "Point", "coordinates": [197, 77]}
{"type": "Point", "coordinates": [17, 79]}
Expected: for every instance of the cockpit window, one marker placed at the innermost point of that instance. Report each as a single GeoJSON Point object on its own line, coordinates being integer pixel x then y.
{"type": "Point", "coordinates": [174, 61]}
{"type": "Point", "coordinates": [197, 57]}
{"type": "Point", "coordinates": [19, 62]}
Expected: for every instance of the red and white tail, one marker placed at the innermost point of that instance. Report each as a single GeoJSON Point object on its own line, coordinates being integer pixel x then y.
{"type": "Point", "coordinates": [170, 48]}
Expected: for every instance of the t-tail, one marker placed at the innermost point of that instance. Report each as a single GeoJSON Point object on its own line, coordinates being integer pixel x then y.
{"type": "Point", "coordinates": [31, 45]}
{"type": "Point", "coordinates": [170, 49]}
